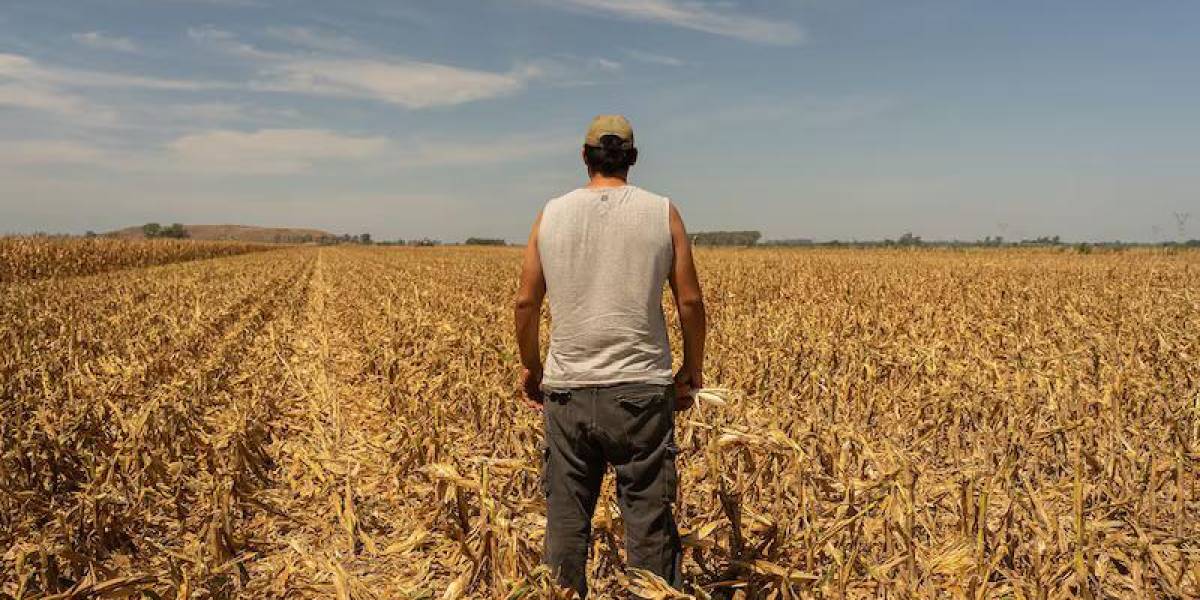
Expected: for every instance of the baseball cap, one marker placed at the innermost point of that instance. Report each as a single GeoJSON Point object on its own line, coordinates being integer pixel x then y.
{"type": "Point", "coordinates": [604, 125]}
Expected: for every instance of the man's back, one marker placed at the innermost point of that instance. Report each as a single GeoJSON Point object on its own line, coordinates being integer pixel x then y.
{"type": "Point", "coordinates": [606, 253]}
{"type": "Point", "coordinates": [602, 254]}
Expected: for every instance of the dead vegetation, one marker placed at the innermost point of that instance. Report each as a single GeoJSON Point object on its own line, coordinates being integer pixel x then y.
{"type": "Point", "coordinates": [29, 258]}
{"type": "Point", "coordinates": [341, 422]}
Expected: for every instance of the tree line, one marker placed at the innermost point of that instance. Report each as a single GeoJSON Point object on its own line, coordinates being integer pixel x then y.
{"type": "Point", "coordinates": [174, 230]}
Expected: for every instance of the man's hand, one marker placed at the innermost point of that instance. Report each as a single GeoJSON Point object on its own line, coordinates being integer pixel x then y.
{"type": "Point", "coordinates": [531, 387]}
{"type": "Point", "coordinates": [688, 381]}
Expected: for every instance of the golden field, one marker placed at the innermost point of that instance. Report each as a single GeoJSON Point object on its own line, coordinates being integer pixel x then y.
{"type": "Point", "coordinates": [342, 422]}
{"type": "Point", "coordinates": [27, 258]}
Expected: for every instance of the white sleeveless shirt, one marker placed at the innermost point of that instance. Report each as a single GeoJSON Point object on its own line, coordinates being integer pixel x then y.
{"type": "Point", "coordinates": [606, 254]}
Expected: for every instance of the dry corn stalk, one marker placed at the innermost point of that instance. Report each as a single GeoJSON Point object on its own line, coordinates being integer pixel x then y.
{"type": "Point", "coordinates": [341, 422]}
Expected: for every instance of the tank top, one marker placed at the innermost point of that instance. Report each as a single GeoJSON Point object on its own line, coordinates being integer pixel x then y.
{"type": "Point", "coordinates": [606, 253]}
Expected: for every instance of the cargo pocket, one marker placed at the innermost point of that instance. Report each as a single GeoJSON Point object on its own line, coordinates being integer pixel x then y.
{"type": "Point", "coordinates": [670, 475]}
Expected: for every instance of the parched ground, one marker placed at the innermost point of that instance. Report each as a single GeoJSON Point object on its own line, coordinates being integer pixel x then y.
{"type": "Point", "coordinates": [342, 422]}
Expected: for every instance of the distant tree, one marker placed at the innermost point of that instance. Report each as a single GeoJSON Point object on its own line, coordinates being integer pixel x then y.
{"type": "Point", "coordinates": [176, 231]}
{"type": "Point", "coordinates": [90, 234]}
{"type": "Point", "coordinates": [364, 238]}
{"type": "Point", "coordinates": [908, 239]}
{"type": "Point", "coordinates": [726, 238]}
{"type": "Point", "coordinates": [474, 241]}
{"type": "Point", "coordinates": [789, 242]}
{"type": "Point", "coordinates": [1043, 241]}
{"type": "Point", "coordinates": [151, 230]}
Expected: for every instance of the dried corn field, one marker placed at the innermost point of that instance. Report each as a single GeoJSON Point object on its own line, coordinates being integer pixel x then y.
{"type": "Point", "coordinates": [342, 423]}
{"type": "Point", "coordinates": [28, 258]}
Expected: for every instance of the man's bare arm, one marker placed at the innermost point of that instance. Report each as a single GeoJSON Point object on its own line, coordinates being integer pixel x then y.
{"type": "Point", "coordinates": [689, 300]}
{"type": "Point", "coordinates": [528, 312]}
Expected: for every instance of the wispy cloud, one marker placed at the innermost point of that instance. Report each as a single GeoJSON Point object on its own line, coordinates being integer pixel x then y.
{"type": "Point", "coordinates": [33, 96]}
{"type": "Point", "coordinates": [101, 41]}
{"type": "Point", "coordinates": [270, 151]}
{"type": "Point", "coordinates": [312, 39]}
{"type": "Point", "coordinates": [276, 152]}
{"type": "Point", "coordinates": [25, 85]}
{"type": "Point", "coordinates": [227, 42]}
{"type": "Point", "coordinates": [41, 152]}
{"type": "Point", "coordinates": [66, 94]}
{"type": "Point", "coordinates": [410, 84]}
{"type": "Point", "coordinates": [394, 80]}
{"type": "Point", "coordinates": [20, 68]}
{"type": "Point", "coordinates": [717, 18]}
{"type": "Point", "coordinates": [654, 59]}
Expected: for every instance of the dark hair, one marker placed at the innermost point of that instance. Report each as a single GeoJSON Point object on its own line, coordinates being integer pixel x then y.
{"type": "Point", "coordinates": [609, 158]}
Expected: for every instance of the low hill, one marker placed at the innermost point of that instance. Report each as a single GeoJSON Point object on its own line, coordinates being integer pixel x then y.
{"type": "Point", "coordinates": [241, 233]}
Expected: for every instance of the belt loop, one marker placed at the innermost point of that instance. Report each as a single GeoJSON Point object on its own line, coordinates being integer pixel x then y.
{"type": "Point", "coordinates": [595, 392]}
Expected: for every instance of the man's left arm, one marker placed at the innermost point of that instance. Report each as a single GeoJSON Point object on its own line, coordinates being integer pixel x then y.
{"type": "Point", "coordinates": [528, 313]}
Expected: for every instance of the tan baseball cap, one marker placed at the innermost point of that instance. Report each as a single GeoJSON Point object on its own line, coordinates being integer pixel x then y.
{"type": "Point", "coordinates": [604, 125]}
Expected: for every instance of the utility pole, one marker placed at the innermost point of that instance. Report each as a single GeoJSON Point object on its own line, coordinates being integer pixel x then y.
{"type": "Point", "coordinates": [1181, 219]}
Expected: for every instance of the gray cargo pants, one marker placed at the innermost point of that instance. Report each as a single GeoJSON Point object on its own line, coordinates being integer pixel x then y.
{"type": "Point", "coordinates": [630, 426]}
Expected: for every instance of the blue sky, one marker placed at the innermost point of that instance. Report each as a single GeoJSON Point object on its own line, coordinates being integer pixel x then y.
{"type": "Point", "coordinates": [828, 119]}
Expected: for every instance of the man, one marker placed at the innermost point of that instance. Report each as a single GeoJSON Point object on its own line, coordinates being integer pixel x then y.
{"type": "Point", "coordinates": [602, 253]}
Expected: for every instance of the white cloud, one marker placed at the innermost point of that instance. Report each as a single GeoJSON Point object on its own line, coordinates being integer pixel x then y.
{"type": "Point", "coordinates": [24, 85]}
{"type": "Point", "coordinates": [605, 64]}
{"type": "Point", "coordinates": [228, 43]}
{"type": "Point", "coordinates": [316, 40]}
{"type": "Point", "coordinates": [710, 17]}
{"type": "Point", "coordinates": [62, 92]}
{"type": "Point", "coordinates": [566, 70]}
{"type": "Point", "coordinates": [209, 111]}
{"type": "Point", "coordinates": [291, 151]}
{"type": "Point", "coordinates": [270, 151]}
{"type": "Point", "coordinates": [409, 84]}
{"type": "Point", "coordinates": [42, 98]}
{"type": "Point", "coordinates": [655, 59]}
{"type": "Point", "coordinates": [41, 152]}
{"type": "Point", "coordinates": [96, 39]}
{"type": "Point", "coordinates": [283, 152]}
{"type": "Point", "coordinates": [21, 68]}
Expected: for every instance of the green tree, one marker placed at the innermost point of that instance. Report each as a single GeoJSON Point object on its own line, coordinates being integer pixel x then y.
{"type": "Point", "coordinates": [176, 231]}
{"type": "Point", "coordinates": [152, 230]}
{"type": "Point", "coordinates": [726, 238]}
{"type": "Point", "coordinates": [476, 241]}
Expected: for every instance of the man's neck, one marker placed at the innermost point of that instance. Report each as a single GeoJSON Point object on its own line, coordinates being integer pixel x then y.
{"type": "Point", "coordinates": [607, 181]}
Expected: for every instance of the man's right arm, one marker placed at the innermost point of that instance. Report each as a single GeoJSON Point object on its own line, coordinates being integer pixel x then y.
{"type": "Point", "coordinates": [528, 310]}
{"type": "Point", "coordinates": [689, 300]}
